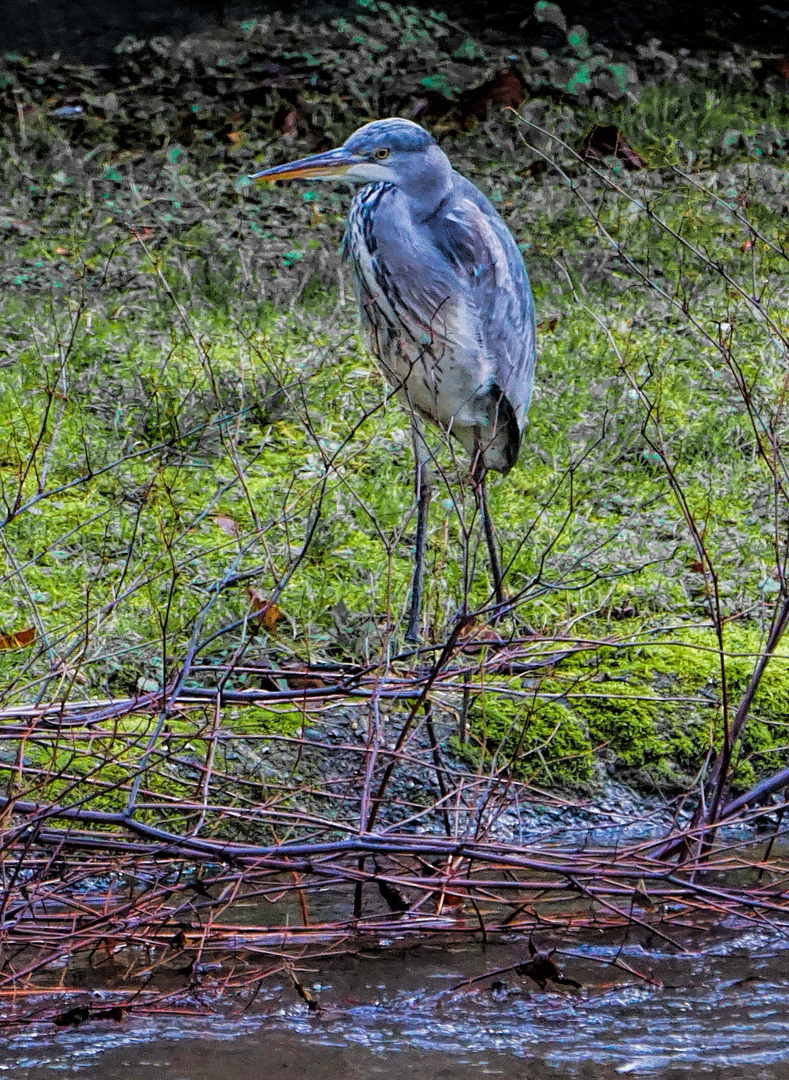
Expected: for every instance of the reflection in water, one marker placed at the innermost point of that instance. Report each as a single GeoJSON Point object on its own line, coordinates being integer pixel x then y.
{"type": "Point", "coordinates": [720, 1012]}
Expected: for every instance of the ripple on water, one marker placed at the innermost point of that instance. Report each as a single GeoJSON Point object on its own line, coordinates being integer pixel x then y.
{"type": "Point", "coordinates": [713, 1016]}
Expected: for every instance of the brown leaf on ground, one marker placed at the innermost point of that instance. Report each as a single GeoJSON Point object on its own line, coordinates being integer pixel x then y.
{"type": "Point", "coordinates": [506, 88]}
{"type": "Point", "coordinates": [20, 640]}
{"type": "Point", "coordinates": [605, 140]}
{"type": "Point", "coordinates": [779, 64]}
{"type": "Point", "coordinates": [226, 524]}
{"type": "Point", "coordinates": [304, 994]}
{"type": "Point", "coordinates": [641, 897]}
{"type": "Point", "coordinates": [266, 614]}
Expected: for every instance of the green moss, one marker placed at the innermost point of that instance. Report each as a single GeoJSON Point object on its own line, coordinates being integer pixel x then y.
{"type": "Point", "coordinates": [95, 773]}
{"type": "Point", "coordinates": [623, 719]}
{"type": "Point", "coordinates": [541, 742]}
{"type": "Point", "coordinates": [652, 712]}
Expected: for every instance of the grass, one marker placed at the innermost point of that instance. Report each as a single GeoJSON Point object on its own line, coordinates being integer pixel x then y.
{"type": "Point", "coordinates": [185, 397]}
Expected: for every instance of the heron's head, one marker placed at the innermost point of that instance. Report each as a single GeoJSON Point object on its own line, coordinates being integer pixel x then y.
{"type": "Point", "coordinates": [395, 151]}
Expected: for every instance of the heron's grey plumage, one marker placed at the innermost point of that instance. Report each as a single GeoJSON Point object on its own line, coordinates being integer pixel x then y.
{"type": "Point", "coordinates": [444, 297]}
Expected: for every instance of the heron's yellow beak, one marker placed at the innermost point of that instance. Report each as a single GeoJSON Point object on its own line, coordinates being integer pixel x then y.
{"type": "Point", "coordinates": [331, 163]}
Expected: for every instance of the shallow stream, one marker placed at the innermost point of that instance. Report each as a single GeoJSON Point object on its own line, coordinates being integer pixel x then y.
{"type": "Point", "coordinates": [720, 1010]}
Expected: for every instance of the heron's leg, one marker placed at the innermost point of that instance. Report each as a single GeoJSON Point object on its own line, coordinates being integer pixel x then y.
{"type": "Point", "coordinates": [478, 473]}
{"type": "Point", "coordinates": [424, 489]}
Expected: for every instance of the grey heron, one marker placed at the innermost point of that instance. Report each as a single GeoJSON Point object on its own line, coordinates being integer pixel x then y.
{"type": "Point", "coordinates": [445, 299]}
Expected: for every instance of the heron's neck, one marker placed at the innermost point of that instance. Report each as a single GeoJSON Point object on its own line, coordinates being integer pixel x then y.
{"type": "Point", "coordinates": [429, 186]}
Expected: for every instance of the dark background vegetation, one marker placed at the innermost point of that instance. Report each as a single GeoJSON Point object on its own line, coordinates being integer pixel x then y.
{"type": "Point", "coordinates": [88, 30]}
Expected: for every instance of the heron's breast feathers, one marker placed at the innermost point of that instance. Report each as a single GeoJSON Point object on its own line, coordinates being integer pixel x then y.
{"type": "Point", "coordinates": [448, 311]}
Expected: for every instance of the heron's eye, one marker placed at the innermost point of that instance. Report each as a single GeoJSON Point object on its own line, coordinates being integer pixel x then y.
{"type": "Point", "coordinates": [382, 153]}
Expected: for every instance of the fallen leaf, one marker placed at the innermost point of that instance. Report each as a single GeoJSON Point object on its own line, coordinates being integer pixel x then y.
{"type": "Point", "coordinates": [226, 524]}
{"type": "Point", "coordinates": [304, 994]}
{"type": "Point", "coordinates": [605, 140]}
{"type": "Point", "coordinates": [264, 612]}
{"type": "Point", "coordinates": [505, 88]}
{"type": "Point", "coordinates": [641, 897]}
{"type": "Point", "coordinates": [72, 1017]}
{"type": "Point", "coordinates": [20, 640]}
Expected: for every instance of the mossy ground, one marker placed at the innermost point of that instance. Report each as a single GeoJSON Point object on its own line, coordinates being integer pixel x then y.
{"type": "Point", "coordinates": [649, 712]}
{"type": "Point", "coordinates": [185, 394]}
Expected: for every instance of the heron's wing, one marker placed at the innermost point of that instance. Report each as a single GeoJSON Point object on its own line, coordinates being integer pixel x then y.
{"type": "Point", "coordinates": [474, 239]}
{"type": "Point", "coordinates": [456, 281]}
{"type": "Point", "coordinates": [448, 305]}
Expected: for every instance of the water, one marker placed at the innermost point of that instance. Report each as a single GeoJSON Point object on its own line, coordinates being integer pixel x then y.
{"type": "Point", "coordinates": [721, 1011]}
